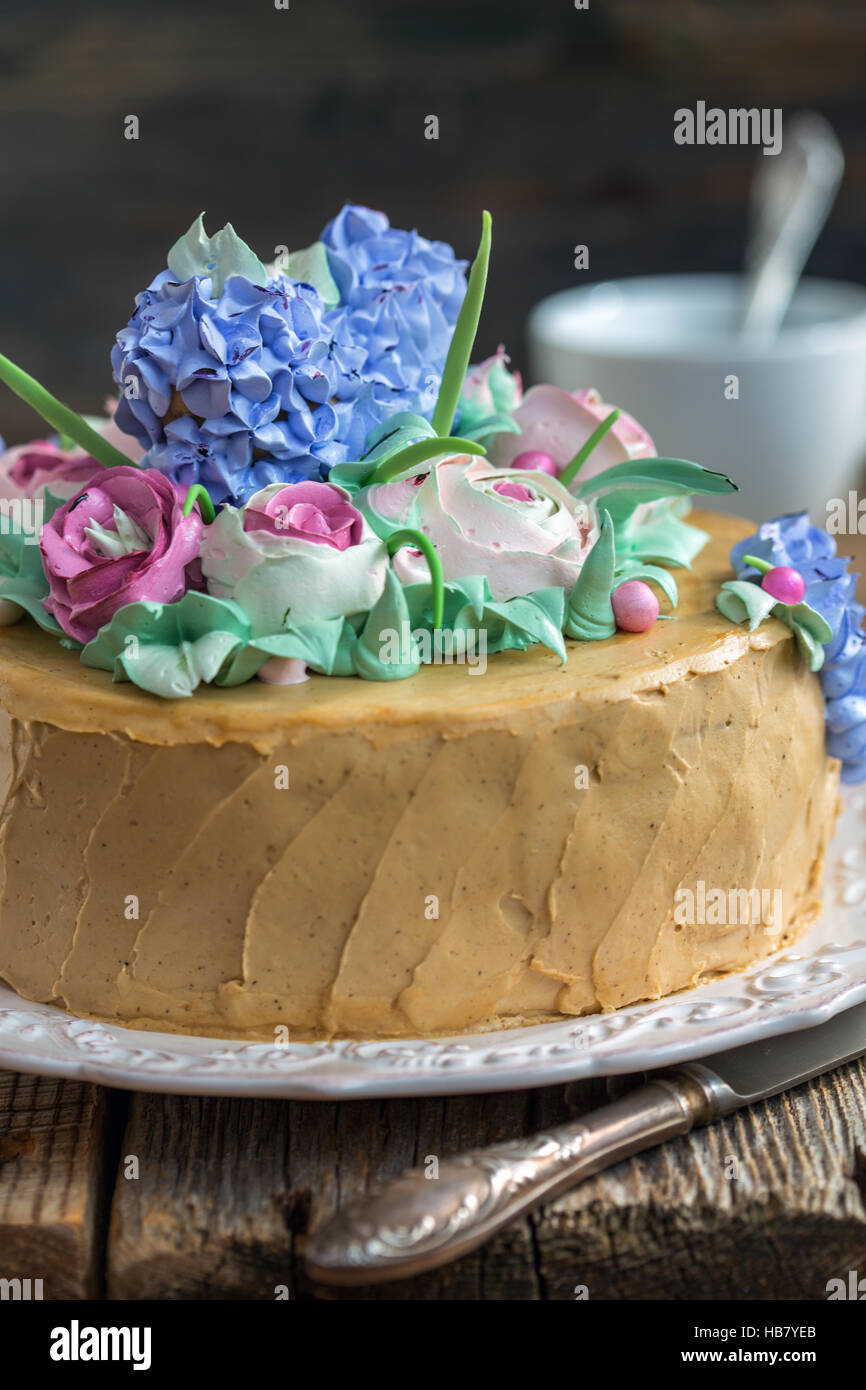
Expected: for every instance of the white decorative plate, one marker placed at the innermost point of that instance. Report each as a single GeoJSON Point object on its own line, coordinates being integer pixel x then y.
{"type": "Point", "coordinates": [786, 992]}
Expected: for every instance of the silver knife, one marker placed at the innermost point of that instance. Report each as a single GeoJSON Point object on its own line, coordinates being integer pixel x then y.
{"type": "Point", "coordinates": [415, 1223]}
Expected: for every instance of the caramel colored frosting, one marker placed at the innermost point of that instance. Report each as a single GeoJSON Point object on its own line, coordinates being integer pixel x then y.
{"type": "Point", "coordinates": [444, 853]}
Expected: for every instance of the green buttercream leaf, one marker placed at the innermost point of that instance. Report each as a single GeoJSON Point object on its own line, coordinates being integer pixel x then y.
{"type": "Point", "coordinates": [404, 460]}
{"type": "Point", "coordinates": [169, 648]}
{"type": "Point", "coordinates": [625, 486]}
{"type": "Point", "coordinates": [809, 648]}
{"type": "Point", "coordinates": [518, 623]}
{"type": "Point", "coordinates": [472, 592]}
{"type": "Point", "coordinates": [395, 433]}
{"type": "Point", "coordinates": [741, 601]}
{"type": "Point", "coordinates": [384, 651]}
{"type": "Point", "coordinates": [351, 476]}
{"type": "Point", "coordinates": [489, 426]}
{"type": "Point", "coordinates": [463, 338]}
{"type": "Point", "coordinates": [389, 438]}
{"type": "Point", "coordinates": [218, 257]}
{"type": "Point", "coordinates": [589, 614]}
{"type": "Point", "coordinates": [310, 267]}
{"type": "Point", "coordinates": [811, 621]}
{"type": "Point", "coordinates": [653, 574]}
{"type": "Point", "coordinates": [22, 576]}
{"type": "Point", "coordinates": [665, 537]}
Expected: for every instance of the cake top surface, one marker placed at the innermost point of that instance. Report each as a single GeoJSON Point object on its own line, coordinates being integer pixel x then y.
{"type": "Point", "coordinates": [39, 681]}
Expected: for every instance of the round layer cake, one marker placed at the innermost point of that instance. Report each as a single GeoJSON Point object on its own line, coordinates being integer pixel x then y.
{"type": "Point", "coordinates": [459, 851]}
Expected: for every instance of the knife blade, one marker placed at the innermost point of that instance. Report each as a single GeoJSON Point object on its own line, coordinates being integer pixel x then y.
{"type": "Point", "coordinates": [414, 1223]}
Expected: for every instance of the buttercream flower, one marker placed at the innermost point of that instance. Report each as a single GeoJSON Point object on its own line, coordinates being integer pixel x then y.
{"type": "Point", "coordinates": [490, 390]}
{"type": "Point", "coordinates": [26, 470]}
{"type": "Point", "coordinates": [793, 541]}
{"type": "Point", "coordinates": [30, 468]}
{"type": "Point", "coordinates": [522, 530]}
{"type": "Point", "coordinates": [236, 375]}
{"type": "Point", "coordinates": [306, 511]}
{"type": "Point", "coordinates": [559, 422]}
{"type": "Point", "coordinates": [120, 540]}
{"type": "Point", "coordinates": [297, 553]}
{"type": "Point", "coordinates": [400, 295]}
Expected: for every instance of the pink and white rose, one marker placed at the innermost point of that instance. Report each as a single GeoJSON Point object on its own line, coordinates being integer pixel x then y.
{"type": "Point", "coordinates": [522, 530]}
{"type": "Point", "coordinates": [296, 553]}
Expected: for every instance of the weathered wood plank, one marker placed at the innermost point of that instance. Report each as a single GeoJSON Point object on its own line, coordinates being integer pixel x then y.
{"type": "Point", "coordinates": [767, 1205]}
{"type": "Point", "coordinates": [52, 1184]}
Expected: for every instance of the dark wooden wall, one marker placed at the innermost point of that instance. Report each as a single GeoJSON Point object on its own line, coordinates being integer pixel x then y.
{"type": "Point", "coordinates": [558, 120]}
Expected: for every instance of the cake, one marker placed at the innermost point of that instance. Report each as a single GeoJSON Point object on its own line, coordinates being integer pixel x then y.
{"type": "Point", "coordinates": [383, 734]}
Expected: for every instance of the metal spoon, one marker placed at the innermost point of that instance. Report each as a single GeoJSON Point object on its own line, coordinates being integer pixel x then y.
{"type": "Point", "coordinates": [792, 194]}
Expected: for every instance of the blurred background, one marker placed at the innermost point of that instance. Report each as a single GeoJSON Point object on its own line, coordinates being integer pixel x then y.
{"type": "Point", "coordinates": [559, 120]}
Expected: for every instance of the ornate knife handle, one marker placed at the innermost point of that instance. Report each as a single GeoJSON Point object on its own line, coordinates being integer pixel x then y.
{"type": "Point", "coordinates": [415, 1222]}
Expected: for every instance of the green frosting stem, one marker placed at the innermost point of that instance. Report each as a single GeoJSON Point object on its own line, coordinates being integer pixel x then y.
{"type": "Point", "coordinates": [757, 564]}
{"type": "Point", "coordinates": [409, 536]}
{"type": "Point", "coordinates": [199, 494]}
{"type": "Point", "coordinates": [60, 417]}
{"type": "Point", "coordinates": [589, 615]}
{"type": "Point", "coordinates": [571, 470]}
{"type": "Point", "coordinates": [419, 452]}
{"type": "Point", "coordinates": [463, 341]}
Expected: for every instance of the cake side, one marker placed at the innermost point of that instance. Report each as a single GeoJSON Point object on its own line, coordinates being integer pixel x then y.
{"type": "Point", "coordinates": [442, 854]}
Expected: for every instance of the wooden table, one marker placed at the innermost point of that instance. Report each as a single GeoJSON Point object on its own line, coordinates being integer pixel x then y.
{"type": "Point", "coordinates": [767, 1205]}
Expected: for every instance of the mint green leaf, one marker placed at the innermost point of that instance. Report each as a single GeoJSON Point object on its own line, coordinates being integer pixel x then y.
{"type": "Point", "coordinates": [169, 648]}
{"type": "Point", "coordinates": [589, 614]}
{"type": "Point", "coordinates": [653, 574]}
{"type": "Point", "coordinates": [384, 650]}
{"type": "Point", "coordinates": [625, 486]}
{"type": "Point", "coordinates": [219, 256]}
{"type": "Point", "coordinates": [741, 601]}
{"type": "Point", "coordinates": [518, 623]}
{"type": "Point", "coordinates": [310, 267]}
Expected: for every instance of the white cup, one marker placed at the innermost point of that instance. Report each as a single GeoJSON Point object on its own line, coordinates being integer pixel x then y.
{"type": "Point", "coordinates": [786, 420]}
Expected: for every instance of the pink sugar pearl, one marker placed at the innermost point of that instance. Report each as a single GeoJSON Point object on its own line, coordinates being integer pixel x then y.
{"type": "Point", "coordinates": [635, 606]}
{"type": "Point", "coordinates": [537, 460]}
{"type": "Point", "coordinates": [785, 584]}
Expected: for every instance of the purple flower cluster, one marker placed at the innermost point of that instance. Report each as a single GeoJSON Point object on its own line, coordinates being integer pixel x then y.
{"type": "Point", "coordinates": [792, 540]}
{"type": "Point", "coordinates": [263, 384]}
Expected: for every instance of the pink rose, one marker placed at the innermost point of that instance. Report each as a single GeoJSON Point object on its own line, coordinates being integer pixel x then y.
{"type": "Point", "coordinates": [27, 469]}
{"type": "Point", "coordinates": [306, 511]}
{"type": "Point", "coordinates": [558, 423]}
{"type": "Point", "coordinates": [122, 539]}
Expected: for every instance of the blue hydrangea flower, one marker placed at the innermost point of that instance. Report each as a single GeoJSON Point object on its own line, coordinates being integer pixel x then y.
{"type": "Point", "coordinates": [261, 383]}
{"type": "Point", "coordinates": [400, 295]}
{"type": "Point", "coordinates": [792, 540]}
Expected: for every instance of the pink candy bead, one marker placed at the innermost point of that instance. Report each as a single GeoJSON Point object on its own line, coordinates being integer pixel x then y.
{"type": "Point", "coordinates": [785, 584]}
{"type": "Point", "coordinates": [635, 606]}
{"type": "Point", "coordinates": [537, 460]}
